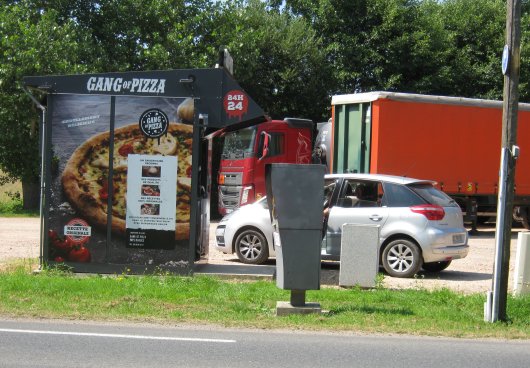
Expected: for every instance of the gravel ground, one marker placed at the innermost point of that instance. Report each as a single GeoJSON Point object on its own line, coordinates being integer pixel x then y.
{"type": "Point", "coordinates": [19, 238]}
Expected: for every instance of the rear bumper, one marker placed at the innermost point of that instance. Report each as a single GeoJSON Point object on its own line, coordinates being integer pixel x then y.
{"type": "Point", "coordinates": [446, 245]}
{"type": "Point", "coordinates": [447, 253]}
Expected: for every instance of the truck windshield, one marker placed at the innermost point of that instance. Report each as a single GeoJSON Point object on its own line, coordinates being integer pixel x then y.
{"type": "Point", "coordinates": [239, 144]}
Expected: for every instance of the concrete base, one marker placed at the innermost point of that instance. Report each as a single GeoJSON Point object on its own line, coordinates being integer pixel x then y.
{"type": "Point", "coordinates": [286, 308]}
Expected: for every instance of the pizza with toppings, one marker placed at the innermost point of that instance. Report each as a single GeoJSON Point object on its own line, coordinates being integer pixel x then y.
{"type": "Point", "coordinates": [85, 177]}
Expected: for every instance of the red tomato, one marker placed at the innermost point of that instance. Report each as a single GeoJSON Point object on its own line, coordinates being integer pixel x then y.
{"type": "Point", "coordinates": [103, 194]}
{"type": "Point", "coordinates": [79, 254]}
{"type": "Point", "coordinates": [126, 149]}
{"type": "Point", "coordinates": [52, 234]}
{"type": "Point", "coordinates": [64, 245]}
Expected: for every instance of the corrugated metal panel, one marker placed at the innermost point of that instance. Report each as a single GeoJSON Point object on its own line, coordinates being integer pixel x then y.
{"type": "Point", "coordinates": [352, 138]}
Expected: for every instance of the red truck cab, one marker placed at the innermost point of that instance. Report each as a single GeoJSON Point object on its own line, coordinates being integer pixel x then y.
{"type": "Point", "coordinates": [246, 152]}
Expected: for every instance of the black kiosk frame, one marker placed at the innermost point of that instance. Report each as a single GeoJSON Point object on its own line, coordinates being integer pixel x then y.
{"type": "Point", "coordinates": [89, 109]}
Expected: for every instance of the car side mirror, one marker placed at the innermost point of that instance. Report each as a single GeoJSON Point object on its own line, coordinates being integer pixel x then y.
{"type": "Point", "coordinates": [264, 144]}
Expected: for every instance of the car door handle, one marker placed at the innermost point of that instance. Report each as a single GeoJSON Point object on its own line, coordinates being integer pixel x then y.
{"type": "Point", "coordinates": [376, 218]}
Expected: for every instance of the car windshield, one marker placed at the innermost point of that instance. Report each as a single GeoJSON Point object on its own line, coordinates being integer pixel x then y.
{"type": "Point", "coordinates": [239, 144]}
{"type": "Point", "coordinates": [433, 195]}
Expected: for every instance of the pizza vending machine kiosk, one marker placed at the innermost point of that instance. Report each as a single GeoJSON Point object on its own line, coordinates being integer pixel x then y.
{"type": "Point", "coordinates": [126, 173]}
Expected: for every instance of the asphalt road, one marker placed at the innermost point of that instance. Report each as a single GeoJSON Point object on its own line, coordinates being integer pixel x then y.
{"type": "Point", "coordinates": [68, 344]}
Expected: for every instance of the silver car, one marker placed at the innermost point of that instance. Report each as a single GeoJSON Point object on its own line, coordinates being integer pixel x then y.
{"type": "Point", "coordinates": [247, 232]}
{"type": "Point", "coordinates": [421, 227]}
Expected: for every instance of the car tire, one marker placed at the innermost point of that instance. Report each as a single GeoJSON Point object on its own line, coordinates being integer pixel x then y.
{"type": "Point", "coordinates": [401, 258]}
{"type": "Point", "coordinates": [251, 247]}
{"type": "Point", "coordinates": [436, 266]}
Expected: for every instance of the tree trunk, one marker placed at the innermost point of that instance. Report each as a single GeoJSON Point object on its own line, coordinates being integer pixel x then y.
{"type": "Point", "coordinates": [30, 195]}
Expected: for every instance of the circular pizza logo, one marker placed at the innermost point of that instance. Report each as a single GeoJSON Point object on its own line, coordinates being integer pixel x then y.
{"type": "Point", "coordinates": [153, 123]}
{"type": "Point", "coordinates": [78, 231]}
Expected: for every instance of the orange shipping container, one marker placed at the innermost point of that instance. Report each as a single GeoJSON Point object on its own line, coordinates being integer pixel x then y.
{"type": "Point", "coordinates": [454, 141]}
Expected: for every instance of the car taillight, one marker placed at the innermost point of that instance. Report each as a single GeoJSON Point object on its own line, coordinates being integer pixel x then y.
{"type": "Point", "coordinates": [221, 179]}
{"type": "Point", "coordinates": [431, 211]}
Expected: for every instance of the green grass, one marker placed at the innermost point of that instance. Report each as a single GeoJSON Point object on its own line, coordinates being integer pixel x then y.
{"type": "Point", "coordinates": [11, 201]}
{"type": "Point", "coordinates": [209, 300]}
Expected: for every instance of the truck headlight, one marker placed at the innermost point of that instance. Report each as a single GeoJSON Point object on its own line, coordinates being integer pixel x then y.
{"type": "Point", "coordinates": [247, 191]}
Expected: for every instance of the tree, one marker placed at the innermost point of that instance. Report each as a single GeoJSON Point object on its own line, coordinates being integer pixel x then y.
{"type": "Point", "coordinates": [450, 47]}
{"type": "Point", "coordinates": [32, 43]}
{"type": "Point", "coordinates": [475, 29]}
{"type": "Point", "coordinates": [375, 44]}
{"type": "Point", "coordinates": [524, 77]}
{"type": "Point", "coordinates": [43, 37]}
{"type": "Point", "coordinates": [130, 35]}
{"type": "Point", "coordinates": [279, 60]}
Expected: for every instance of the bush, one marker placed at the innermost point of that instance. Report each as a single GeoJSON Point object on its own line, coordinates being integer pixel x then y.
{"type": "Point", "coordinates": [12, 203]}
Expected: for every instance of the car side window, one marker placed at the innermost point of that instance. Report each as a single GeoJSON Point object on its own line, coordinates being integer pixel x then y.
{"type": "Point", "coordinates": [400, 196]}
{"type": "Point", "coordinates": [356, 193]}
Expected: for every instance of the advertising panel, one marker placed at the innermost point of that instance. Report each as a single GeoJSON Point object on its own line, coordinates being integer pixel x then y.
{"type": "Point", "coordinates": [120, 180]}
{"type": "Point", "coordinates": [121, 191]}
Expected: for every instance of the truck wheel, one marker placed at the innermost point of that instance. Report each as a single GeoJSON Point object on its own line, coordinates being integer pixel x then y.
{"type": "Point", "coordinates": [402, 258]}
{"type": "Point", "coordinates": [436, 266]}
{"type": "Point", "coordinates": [251, 247]}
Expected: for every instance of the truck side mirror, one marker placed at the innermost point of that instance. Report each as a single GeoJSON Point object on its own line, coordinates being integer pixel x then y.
{"type": "Point", "coordinates": [264, 144]}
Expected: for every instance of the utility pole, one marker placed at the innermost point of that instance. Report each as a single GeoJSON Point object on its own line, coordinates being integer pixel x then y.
{"type": "Point", "coordinates": [509, 154]}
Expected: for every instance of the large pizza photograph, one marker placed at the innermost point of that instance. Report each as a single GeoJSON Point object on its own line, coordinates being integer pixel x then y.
{"type": "Point", "coordinates": [86, 182]}
{"type": "Point", "coordinates": [94, 171]}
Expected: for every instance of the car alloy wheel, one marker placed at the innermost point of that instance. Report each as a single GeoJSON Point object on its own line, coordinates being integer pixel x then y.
{"type": "Point", "coordinates": [251, 247]}
{"type": "Point", "coordinates": [401, 258]}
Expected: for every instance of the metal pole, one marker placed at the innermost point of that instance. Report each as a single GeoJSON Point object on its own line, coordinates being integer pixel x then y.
{"type": "Point", "coordinates": [510, 69]}
{"type": "Point", "coordinates": [42, 185]}
{"type": "Point", "coordinates": [42, 170]}
{"type": "Point", "coordinates": [501, 210]}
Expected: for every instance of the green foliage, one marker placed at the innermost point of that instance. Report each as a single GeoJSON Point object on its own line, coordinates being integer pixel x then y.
{"type": "Point", "coordinates": [144, 35]}
{"type": "Point", "coordinates": [33, 42]}
{"type": "Point", "coordinates": [524, 78]}
{"type": "Point", "coordinates": [11, 198]}
{"type": "Point", "coordinates": [475, 30]}
{"type": "Point", "coordinates": [448, 47]}
{"type": "Point", "coordinates": [280, 61]}
{"type": "Point", "coordinates": [13, 203]}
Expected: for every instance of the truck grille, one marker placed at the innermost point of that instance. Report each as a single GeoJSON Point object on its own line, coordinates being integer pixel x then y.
{"type": "Point", "coordinates": [229, 196]}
